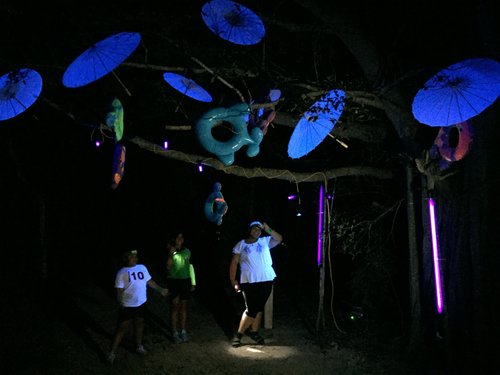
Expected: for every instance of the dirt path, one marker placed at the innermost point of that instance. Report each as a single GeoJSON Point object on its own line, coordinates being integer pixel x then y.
{"type": "Point", "coordinates": [76, 340]}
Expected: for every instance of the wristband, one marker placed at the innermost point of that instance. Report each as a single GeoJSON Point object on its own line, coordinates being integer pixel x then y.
{"type": "Point", "coordinates": [269, 230]}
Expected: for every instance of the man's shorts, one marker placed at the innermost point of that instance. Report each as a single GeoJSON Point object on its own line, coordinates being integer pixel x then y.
{"type": "Point", "coordinates": [130, 313]}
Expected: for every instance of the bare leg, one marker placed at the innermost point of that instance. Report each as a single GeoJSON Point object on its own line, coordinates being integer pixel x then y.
{"type": "Point", "coordinates": [256, 322]}
{"type": "Point", "coordinates": [120, 332]}
{"type": "Point", "coordinates": [182, 314]}
{"type": "Point", "coordinates": [174, 313]}
{"type": "Point", "coordinates": [139, 330]}
{"type": "Point", "coordinates": [245, 322]}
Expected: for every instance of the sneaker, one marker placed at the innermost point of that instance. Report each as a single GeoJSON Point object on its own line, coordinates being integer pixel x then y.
{"type": "Point", "coordinates": [255, 336]}
{"type": "Point", "coordinates": [237, 340]}
{"type": "Point", "coordinates": [177, 338]}
{"type": "Point", "coordinates": [111, 358]}
{"type": "Point", "coordinates": [140, 350]}
{"type": "Point", "coordinates": [184, 336]}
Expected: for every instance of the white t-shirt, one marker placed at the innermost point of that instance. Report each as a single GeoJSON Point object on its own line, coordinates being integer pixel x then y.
{"type": "Point", "coordinates": [256, 264]}
{"type": "Point", "coordinates": [133, 281]}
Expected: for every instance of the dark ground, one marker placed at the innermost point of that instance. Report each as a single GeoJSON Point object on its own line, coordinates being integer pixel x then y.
{"type": "Point", "coordinates": [69, 332]}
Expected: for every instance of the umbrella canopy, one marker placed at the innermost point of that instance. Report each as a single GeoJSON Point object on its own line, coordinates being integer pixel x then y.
{"type": "Point", "coordinates": [19, 89]}
{"type": "Point", "coordinates": [458, 93]}
{"type": "Point", "coordinates": [316, 124]}
{"type": "Point", "coordinates": [187, 87]}
{"type": "Point", "coordinates": [233, 22]}
{"type": "Point", "coordinates": [100, 59]}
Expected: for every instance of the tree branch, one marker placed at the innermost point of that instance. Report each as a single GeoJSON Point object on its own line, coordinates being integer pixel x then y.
{"type": "Point", "coordinates": [269, 173]}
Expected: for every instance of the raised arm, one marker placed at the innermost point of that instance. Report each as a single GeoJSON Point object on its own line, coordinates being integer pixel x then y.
{"type": "Point", "coordinates": [276, 238]}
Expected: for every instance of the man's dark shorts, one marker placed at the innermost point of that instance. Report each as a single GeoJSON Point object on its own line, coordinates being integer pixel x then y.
{"type": "Point", "coordinates": [130, 313]}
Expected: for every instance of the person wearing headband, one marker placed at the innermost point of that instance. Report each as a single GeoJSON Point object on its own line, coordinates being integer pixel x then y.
{"type": "Point", "coordinates": [253, 256]}
{"type": "Point", "coordinates": [131, 282]}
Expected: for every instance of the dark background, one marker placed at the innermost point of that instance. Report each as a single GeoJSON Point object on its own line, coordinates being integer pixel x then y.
{"type": "Point", "coordinates": [62, 224]}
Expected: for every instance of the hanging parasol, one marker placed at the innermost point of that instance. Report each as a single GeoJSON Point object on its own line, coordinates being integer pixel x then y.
{"type": "Point", "coordinates": [233, 22]}
{"type": "Point", "coordinates": [100, 59]}
{"type": "Point", "coordinates": [19, 89]}
{"type": "Point", "coordinates": [316, 124]}
{"type": "Point", "coordinates": [187, 87]}
{"type": "Point", "coordinates": [458, 93]}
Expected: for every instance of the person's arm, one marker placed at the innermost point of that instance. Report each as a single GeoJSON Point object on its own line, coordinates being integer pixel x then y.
{"type": "Point", "coordinates": [233, 267]}
{"type": "Point", "coordinates": [192, 276]}
{"type": "Point", "coordinates": [152, 284]}
{"type": "Point", "coordinates": [119, 295]}
{"type": "Point", "coordinates": [170, 260]}
{"type": "Point", "coordinates": [276, 238]}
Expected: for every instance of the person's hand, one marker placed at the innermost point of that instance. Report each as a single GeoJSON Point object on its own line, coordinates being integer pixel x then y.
{"type": "Point", "coordinates": [193, 287]}
{"type": "Point", "coordinates": [265, 226]}
{"type": "Point", "coordinates": [236, 287]}
{"type": "Point", "coordinates": [165, 292]}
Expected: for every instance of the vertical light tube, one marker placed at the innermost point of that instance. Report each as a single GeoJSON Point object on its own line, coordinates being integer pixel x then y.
{"type": "Point", "coordinates": [320, 224]}
{"type": "Point", "coordinates": [435, 256]}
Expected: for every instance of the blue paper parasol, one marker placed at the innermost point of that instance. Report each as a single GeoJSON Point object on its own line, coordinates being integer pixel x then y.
{"type": "Point", "coordinates": [187, 87]}
{"type": "Point", "coordinates": [316, 124]}
{"type": "Point", "coordinates": [233, 22]}
{"type": "Point", "coordinates": [457, 93]}
{"type": "Point", "coordinates": [19, 89]}
{"type": "Point", "coordinates": [100, 59]}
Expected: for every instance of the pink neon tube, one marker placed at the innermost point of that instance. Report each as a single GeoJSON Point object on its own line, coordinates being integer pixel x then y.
{"type": "Point", "coordinates": [320, 225]}
{"type": "Point", "coordinates": [435, 256]}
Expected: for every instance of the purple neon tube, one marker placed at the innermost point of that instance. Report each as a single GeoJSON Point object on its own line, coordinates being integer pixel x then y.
{"type": "Point", "coordinates": [435, 256]}
{"type": "Point", "coordinates": [320, 224]}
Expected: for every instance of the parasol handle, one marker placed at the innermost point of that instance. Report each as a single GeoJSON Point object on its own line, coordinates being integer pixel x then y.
{"type": "Point", "coordinates": [121, 83]}
{"type": "Point", "coordinates": [338, 140]}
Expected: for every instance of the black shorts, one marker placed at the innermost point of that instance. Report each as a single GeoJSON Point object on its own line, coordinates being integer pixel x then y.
{"type": "Point", "coordinates": [179, 288]}
{"type": "Point", "coordinates": [129, 313]}
{"type": "Point", "coordinates": [256, 296]}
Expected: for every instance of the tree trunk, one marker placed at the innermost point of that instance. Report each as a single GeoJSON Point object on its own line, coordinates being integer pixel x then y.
{"type": "Point", "coordinates": [413, 265]}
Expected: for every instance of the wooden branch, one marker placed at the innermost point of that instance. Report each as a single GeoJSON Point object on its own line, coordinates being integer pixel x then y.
{"type": "Point", "coordinates": [218, 77]}
{"type": "Point", "coordinates": [269, 173]}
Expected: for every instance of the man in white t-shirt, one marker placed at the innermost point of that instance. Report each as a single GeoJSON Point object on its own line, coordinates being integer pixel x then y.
{"type": "Point", "coordinates": [131, 283]}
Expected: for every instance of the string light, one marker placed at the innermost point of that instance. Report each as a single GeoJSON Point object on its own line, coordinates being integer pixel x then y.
{"type": "Point", "coordinates": [165, 145]}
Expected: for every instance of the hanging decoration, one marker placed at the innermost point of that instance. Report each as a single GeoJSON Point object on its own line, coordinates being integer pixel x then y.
{"type": "Point", "coordinates": [215, 205]}
{"type": "Point", "coordinates": [100, 59]}
{"type": "Point", "coordinates": [263, 117]}
{"type": "Point", "coordinates": [458, 93]}
{"type": "Point", "coordinates": [233, 22]}
{"type": "Point", "coordinates": [115, 118]}
{"type": "Point", "coordinates": [19, 89]}
{"type": "Point", "coordinates": [316, 124]}
{"type": "Point", "coordinates": [118, 165]}
{"type": "Point", "coordinates": [237, 116]}
{"type": "Point", "coordinates": [187, 87]}
{"type": "Point", "coordinates": [458, 152]}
